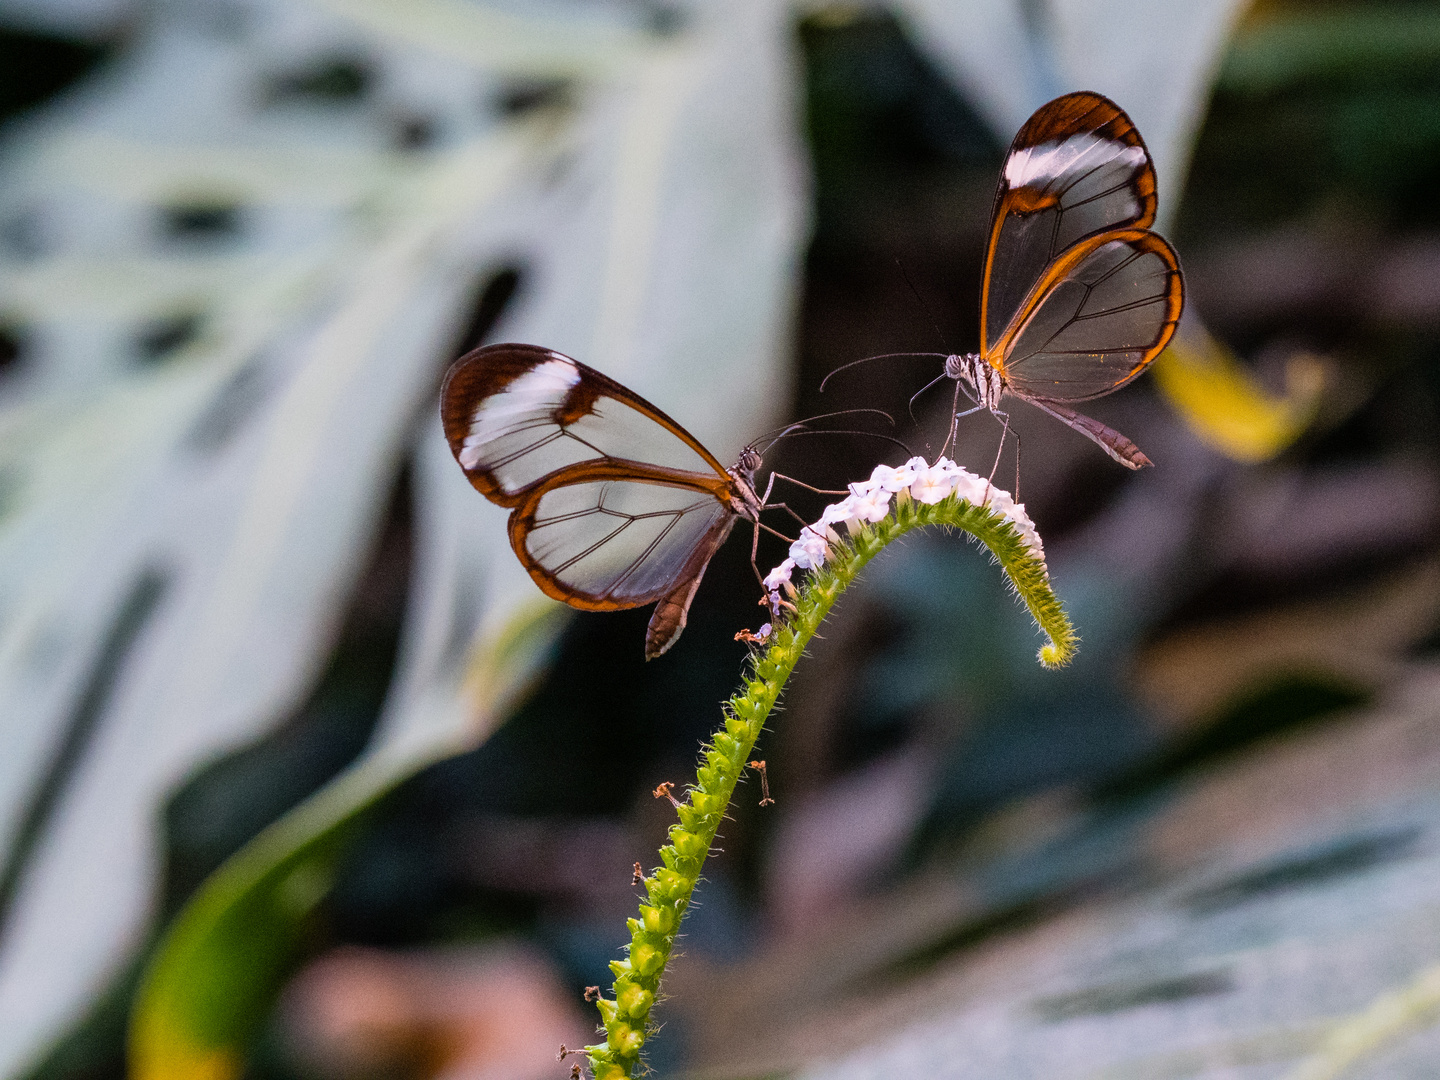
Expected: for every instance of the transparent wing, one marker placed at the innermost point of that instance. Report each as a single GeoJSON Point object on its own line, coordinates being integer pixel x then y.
{"type": "Point", "coordinates": [1077, 168]}
{"type": "Point", "coordinates": [603, 542]}
{"type": "Point", "coordinates": [1103, 312]}
{"type": "Point", "coordinates": [515, 414]}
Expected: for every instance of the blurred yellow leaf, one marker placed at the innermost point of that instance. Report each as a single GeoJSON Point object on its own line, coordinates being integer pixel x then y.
{"type": "Point", "coordinates": [1224, 404]}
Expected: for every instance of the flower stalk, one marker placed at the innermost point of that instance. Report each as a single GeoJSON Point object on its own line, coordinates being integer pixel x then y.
{"type": "Point", "coordinates": [947, 492]}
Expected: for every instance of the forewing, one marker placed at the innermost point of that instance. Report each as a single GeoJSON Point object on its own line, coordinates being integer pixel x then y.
{"type": "Point", "coordinates": [1077, 168]}
{"type": "Point", "coordinates": [1101, 314]}
{"type": "Point", "coordinates": [515, 414]}
{"type": "Point", "coordinates": [604, 537]}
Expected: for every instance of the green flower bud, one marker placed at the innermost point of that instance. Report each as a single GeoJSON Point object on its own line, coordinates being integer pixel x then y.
{"type": "Point", "coordinates": [646, 959]}
{"type": "Point", "coordinates": [635, 1001]}
{"type": "Point", "coordinates": [688, 844]}
{"type": "Point", "coordinates": [693, 820]}
{"type": "Point", "coordinates": [657, 920]}
{"type": "Point", "coordinates": [707, 803]}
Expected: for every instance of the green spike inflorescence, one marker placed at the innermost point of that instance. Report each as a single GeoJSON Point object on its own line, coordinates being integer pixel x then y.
{"type": "Point", "coordinates": [626, 1013]}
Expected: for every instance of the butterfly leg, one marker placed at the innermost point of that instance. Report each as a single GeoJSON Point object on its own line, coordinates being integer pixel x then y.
{"type": "Point", "coordinates": [955, 425]}
{"type": "Point", "coordinates": [1004, 419]}
{"type": "Point", "coordinates": [755, 542]}
{"type": "Point", "coordinates": [766, 504]}
{"type": "Point", "coordinates": [1017, 465]}
{"type": "Point", "coordinates": [798, 483]}
{"type": "Point", "coordinates": [773, 601]}
{"type": "Point", "coordinates": [786, 508]}
{"type": "Point", "coordinates": [777, 532]}
{"type": "Point", "coordinates": [768, 488]}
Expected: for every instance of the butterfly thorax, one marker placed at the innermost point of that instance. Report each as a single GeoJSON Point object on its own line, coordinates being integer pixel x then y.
{"type": "Point", "coordinates": [987, 383]}
{"type": "Point", "coordinates": [745, 502]}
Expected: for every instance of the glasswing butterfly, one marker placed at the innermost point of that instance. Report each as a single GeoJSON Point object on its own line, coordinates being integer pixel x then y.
{"type": "Point", "coordinates": [1078, 295]}
{"type": "Point", "coordinates": [612, 503]}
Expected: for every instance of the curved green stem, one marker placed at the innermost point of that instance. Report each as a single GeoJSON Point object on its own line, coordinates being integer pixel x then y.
{"type": "Point", "coordinates": [626, 1012]}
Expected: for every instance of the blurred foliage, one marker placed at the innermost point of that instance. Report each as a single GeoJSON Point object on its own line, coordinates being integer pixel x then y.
{"type": "Point", "coordinates": [1225, 404]}
{"type": "Point", "coordinates": [1318, 103]}
{"type": "Point", "coordinates": [1260, 712]}
{"type": "Point", "coordinates": [36, 66]}
{"type": "Point", "coordinates": [215, 974]}
{"type": "Point", "coordinates": [1320, 112]}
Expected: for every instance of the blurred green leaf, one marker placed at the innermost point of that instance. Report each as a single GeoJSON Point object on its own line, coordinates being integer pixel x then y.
{"type": "Point", "coordinates": [218, 967]}
{"type": "Point", "coordinates": [1277, 50]}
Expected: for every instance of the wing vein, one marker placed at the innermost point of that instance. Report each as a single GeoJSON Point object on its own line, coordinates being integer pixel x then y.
{"type": "Point", "coordinates": [636, 563]}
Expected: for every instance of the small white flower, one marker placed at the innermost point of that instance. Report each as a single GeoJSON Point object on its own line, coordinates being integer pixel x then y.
{"type": "Point", "coordinates": [835, 513]}
{"type": "Point", "coordinates": [861, 488]}
{"type": "Point", "coordinates": [970, 487]}
{"type": "Point", "coordinates": [809, 551]}
{"type": "Point", "coordinates": [873, 505]}
{"type": "Point", "coordinates": [779, 576]}
{"type": "Point", "coordinates": [933, 484]}
{"type": "Point", "coordinates": [1002, 502]}
{"type": "Point", "coordinates": [1017, 516]}
{"type": "Point", "coordinates": [892, 479]}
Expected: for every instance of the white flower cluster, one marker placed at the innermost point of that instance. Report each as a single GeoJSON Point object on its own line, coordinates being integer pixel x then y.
{"type": "Point", "coordinates": [869, 501]}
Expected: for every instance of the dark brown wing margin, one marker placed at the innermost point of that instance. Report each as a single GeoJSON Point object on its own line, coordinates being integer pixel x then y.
{"type": "Point", "coordinates": [487, 370]}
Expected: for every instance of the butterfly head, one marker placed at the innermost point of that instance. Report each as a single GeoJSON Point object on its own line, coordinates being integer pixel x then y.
{"type": "Point", "coordinates": [743, 473]}
{"type": "Point", "coordinates": [749, 463]}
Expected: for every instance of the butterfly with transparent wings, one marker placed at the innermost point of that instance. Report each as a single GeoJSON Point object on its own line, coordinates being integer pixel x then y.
{"type": "Point", "coordinates": [1078, 296]}
{"type": "Point", "coordinates": [612, 504]}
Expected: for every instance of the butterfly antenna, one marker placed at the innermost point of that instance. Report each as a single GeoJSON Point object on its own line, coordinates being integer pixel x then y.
{"type": "Point", "coordinates": [878, 356]}
{"type": "Point", "coordinates": [843, 431]}
{"type": "Point", "coordinates": [800, 425]}
{"type": "Point", "coordinates": [847, 412]}
{"type": "Point", "coordinates": [917, 393]}
{"type": "Point", "coordinates": [920, 300]}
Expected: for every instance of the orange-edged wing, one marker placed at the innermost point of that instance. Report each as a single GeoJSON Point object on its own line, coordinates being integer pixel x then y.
{"type": "Point", "coordinates": [514, 414]}
{"type": "Point", "coordinates": [613, 504]}
{"type": "Point", "coordinates": [1095, 319]}
{"type": "Point", "coordinates": [1078, 168]}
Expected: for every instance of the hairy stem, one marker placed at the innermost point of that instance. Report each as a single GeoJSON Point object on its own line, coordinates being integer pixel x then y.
{"type": "Point", "coordinates": [626, 1013]}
